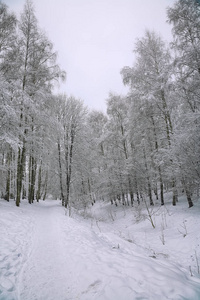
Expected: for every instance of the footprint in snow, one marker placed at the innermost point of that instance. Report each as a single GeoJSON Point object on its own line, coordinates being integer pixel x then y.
{"type": "Point", "coordinates": [93, 287]}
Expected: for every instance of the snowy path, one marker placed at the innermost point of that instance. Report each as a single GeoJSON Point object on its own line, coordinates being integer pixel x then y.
{"type": "Point", "coordinates": [57, 257]}
{"type": "Point", "coordinates": [44, 275]}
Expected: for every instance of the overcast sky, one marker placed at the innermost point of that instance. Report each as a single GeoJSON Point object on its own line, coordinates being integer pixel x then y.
{"type": "Point", "coordinates": [95, 38]}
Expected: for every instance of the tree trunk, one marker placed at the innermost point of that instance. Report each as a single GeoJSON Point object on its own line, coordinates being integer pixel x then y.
{"type": "Point", "coordinates": [34, 170]}
{"type": "Point", "coordinates": [90, 192]}
{"type": "Point", "coordinates": [38, 194]}
{"type": "Point", "coordinates": [148, 179]}
{"type": "Point", "coordinates": [60, 174]}
{"type": "Point", "coordinates": [67, 196]}
{"type": "Point", "coordinates": [23, 192]}
{"type": "Point", "coordinates": [138, 197]}
{"type": "Point", "coordinates": [32, 177]}
{"type": "Point", "coordinates": [150, 193]}
{"type": "Point", "coordinates": [161, 187]}
{"type": "Point", "coordinates": [68, 159]}
{"type": "Point", "coordinates": [7, 195]}
{"type": "Point", "coordinates": [130, 190]}
{"type": "Point", "coordinates": [175, 193]}
{"type": "Point", "coordinates": [159, 169]}
{"type": "Point", "coordinates": [137, 193]}
{"type": "Point", "coordinates": [18, 178]}
{"type": "Point", "coordinates": [20, 172]}
{"type": "Point", "coordinates": [189, 198]}
{"type": "Point", "coordinates": [45, 185]}
{"type": "Point", "coordinates": [123, 199]}
{"type": "Point", "coordinates": [156, 191]}
{"type": "Point", "coordinates": [132, 198]}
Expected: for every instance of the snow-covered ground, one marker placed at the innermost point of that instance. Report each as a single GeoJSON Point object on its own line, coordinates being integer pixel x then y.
{"type": "Point", "coordinates": [105, 253]}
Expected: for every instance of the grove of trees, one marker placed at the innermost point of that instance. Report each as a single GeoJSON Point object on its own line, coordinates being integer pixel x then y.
{"type": "Point", "coordinates": [146, 144]}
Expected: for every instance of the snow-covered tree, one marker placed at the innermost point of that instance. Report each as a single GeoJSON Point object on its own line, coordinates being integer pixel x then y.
{"type": "Point", "coordinates": [38, 70]}
{"type": "Point", "coordinates": [119, 148]}
{"type": "Point", "coordinates": [149, 80]}
{"type": "Point", "coordinates": [97, 124]}
{"type": "Point", "coordinates": [8, 103]}
{"type": "Point", "coordinates": [71, 121]}
{"type": "Point", "coordinates": [185, 19]}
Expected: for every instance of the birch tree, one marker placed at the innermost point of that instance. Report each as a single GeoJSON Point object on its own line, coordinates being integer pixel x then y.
{"type": "Point", "coordinates": [117, 109]}
{"type": "Point", "coordinates": [149, 81]}
{"type": "Point", "coordinates": [8, 104]}
{"type": "Point", "coordinates": [185, 19]}
{"type": "Point", "coordinates": [38, 70]}
{"type": "Point", "coordinates": [71, 116]}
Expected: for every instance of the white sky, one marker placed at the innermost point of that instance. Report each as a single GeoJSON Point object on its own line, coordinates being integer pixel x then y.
{"type": "Point", "coordinates": [95, 39]}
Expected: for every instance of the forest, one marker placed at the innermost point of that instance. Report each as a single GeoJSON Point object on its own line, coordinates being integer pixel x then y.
{"type": "Point", "coordinates": [146, 144]}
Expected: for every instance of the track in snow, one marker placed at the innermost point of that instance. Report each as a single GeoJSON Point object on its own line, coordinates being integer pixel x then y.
{"type": "Point", "coordinates": [44, 274]}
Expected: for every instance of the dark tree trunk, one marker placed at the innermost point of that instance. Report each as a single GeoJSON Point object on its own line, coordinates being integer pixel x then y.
{"type": "Point", "coordinates": [68, 158]}
{"type": "Point", "coordinates": [90, 191]}
{"type": "Point", "coordinates": [32, 177]}
{"type": "Point", "coordinates": [175, 193]}
{"type": "Point", "coordinates": [156, 191]}
{"type": "Point", "coordinates": [123, 199]}
{"type": "Point", "coordinates": [60, 174]}
{"type": "Point", "coordinates": [137, 192]}
{"type": "Point", "coordinates": [150, 193]}
{"type": "Point", "coordinates": [20, 173]}
{"type": "Point", "coordinates": [18, 178]}
{"type": "Point", "coordinates": [148, 180]}
{"type": "Point", "coordinates": [38, 194]}
{"type": "Point", "coordinates": [189, 198]}
{"type": "Point", "coordinates": [130, 190]}
{"type": "Point", "coordinates": [161, 188]}
{"type": "Point", "coordinates": [23, 192]}
{"type": "Point", "coordinates": [45, 185]}
{"type": "Point", "coordinates": [138, 197]}
{"type": "Point", "coordinates": [159, 169]}
{"type": "Point", "coordinates": [7, 195]}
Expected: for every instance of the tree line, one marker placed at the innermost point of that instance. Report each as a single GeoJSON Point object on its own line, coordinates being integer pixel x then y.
{"type": "Point", "coordinates": [146, 144]}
